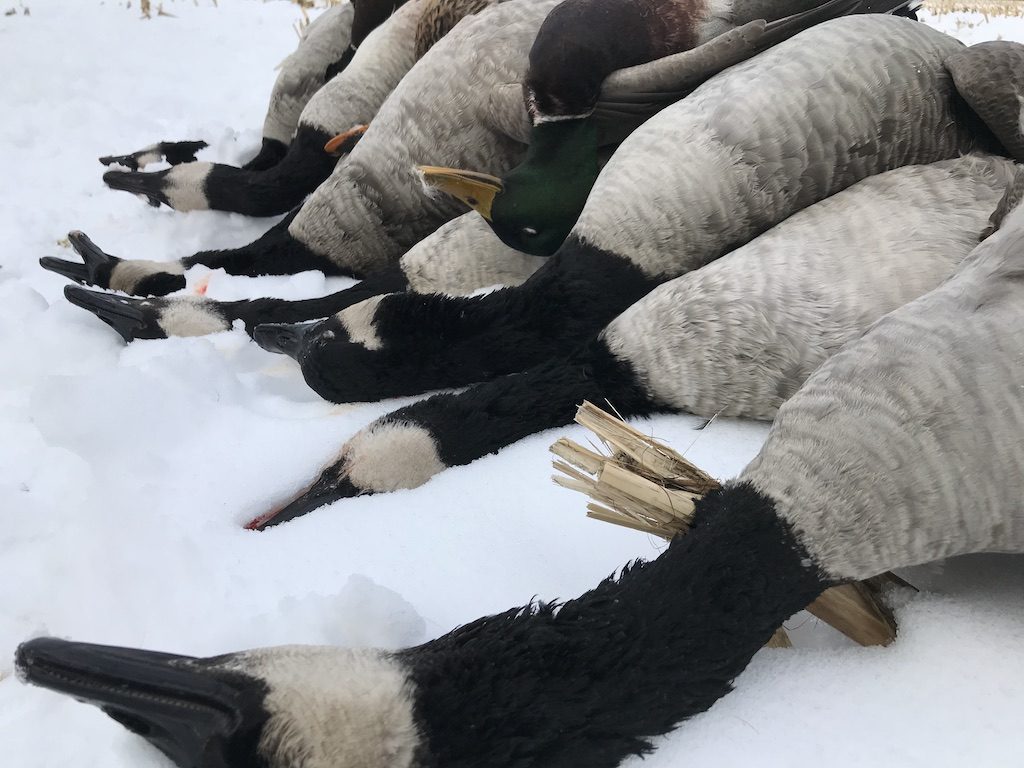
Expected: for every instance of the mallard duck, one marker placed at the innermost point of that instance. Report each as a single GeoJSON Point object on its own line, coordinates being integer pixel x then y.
{"type": "Point", "coordinates": [920, 458]}
{"type": "Point", "coordinates": [570, 92]}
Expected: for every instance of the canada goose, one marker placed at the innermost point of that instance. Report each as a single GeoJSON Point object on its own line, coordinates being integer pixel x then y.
{"type": "Point", "coordinates": [465, 94]}
{"type": "Point", "coordinates": [764, 139]}
{"type": "Point", "coordinates": [343, 105]}
{"type": "Point", "coordinates": [920, 458]}
{"type": "Point", "coordinates": [735, 338]}
{"type": "Point", "coordinates": [533, 206]}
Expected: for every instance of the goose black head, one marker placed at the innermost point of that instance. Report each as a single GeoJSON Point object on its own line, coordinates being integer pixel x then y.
{"type": "Point", "coordinates": [317, 346]}
{"type": "Point", "coordinates": [276, 708]}
{"type": "Point", "coordinates": [534, 206]}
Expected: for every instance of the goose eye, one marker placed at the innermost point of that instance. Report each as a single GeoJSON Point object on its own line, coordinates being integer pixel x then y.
{"type": "Point", "coordinates": [529, 231]}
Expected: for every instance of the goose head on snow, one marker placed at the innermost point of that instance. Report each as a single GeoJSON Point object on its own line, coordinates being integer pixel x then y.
{"type": "Point", "coordinates": [597, 69]}
{"type": "Point", "coordinates": [592, 681]}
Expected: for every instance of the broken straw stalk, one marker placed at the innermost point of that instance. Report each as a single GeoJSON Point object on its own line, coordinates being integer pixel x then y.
{"type": "Point", "coordinates": [645, 485]}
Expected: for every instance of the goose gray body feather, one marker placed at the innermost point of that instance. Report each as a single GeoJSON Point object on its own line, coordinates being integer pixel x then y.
{"type": "Point", "coordinates": [373, 207]}
{"type": "Point", "coordinates": [775, 134]}
{"type": "Point", "coordinates": [739, 336]}
{"type": "Point", "coordinates": [350, 98]}
{"type": "Point", "coordinates": [463, 256]}
{"type": "Point", "coordinates": [302, 72]}
{"type": "Point", "coordinates": [905, 447]}
{"type": "Point", "coordinates": [353, 96]}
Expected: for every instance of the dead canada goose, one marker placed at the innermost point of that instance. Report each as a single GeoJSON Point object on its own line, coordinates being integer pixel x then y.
{"type": "Point", "coordinates": [921, 458]}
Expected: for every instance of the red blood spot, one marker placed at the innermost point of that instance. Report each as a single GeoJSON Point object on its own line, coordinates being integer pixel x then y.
{"type": "Point", "coordinates": [257, 523]}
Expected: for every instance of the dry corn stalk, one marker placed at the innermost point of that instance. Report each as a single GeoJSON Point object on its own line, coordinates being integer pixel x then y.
{"type": "Point", "coordinates": [643, 484]}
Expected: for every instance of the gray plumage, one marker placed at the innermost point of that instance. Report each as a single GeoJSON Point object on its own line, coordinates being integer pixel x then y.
{"type": "Point", "coordinates": [730, 33]}
{"type": "Point", "coordinates": [462, 257]}
{"type": "Point", "coordinates": [987, 75]}
{"type": "Point", "coordinates": [906, 447]}
{"type": "Point", "coordinates": [775, 134]}
{"type": "Point", "coordinates": [353, 96]}
{"type": "Point", "coordinates": [373, 207]}
{"type": "Point", "coordinates": [302, 72]}
{"type": "Point", "coordinates": [739, 336]}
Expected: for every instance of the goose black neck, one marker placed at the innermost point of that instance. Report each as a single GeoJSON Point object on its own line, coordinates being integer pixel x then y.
{"type": "Point", "coordinates": [254, 312]}
{"type": "Point", "coordinates": [276, 252]}
{"type": "Point", "coordinates": [442, 341]}
{"type": "Point", "coordinates": [370, 14]}
{"type": "Point", "coordinates": [592, 681]}
{"type": "Point", "coordinates": [277, 188]}
{"type": "Point", "coordinates": [270, 154]}
{"type": "Point", "coordinates": [486, 418]}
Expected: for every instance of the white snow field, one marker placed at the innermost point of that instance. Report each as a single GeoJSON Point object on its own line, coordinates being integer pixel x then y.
{"type": "Point", "coordinates": [126, 472]}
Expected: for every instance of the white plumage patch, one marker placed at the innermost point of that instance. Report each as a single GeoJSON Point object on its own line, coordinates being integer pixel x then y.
{"type": "Point", "coordinates": [126, 275]}
{"type": "Point", "coordinates": [185, 186]}
{"type": "Point", "coordinates": [190, 317]}
{"type": "Point", "coordinates": [389, 455]}
{"type": "Point", "coordinates": [333, 707]}
{"type": "Point", "coordinates": [358, 321]}
{"type": "Point", "coordinates": [144, 157]}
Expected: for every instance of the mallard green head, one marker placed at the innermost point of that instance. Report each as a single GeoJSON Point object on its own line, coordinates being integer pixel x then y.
{"type": "Point", "coordinates": [535, 205]}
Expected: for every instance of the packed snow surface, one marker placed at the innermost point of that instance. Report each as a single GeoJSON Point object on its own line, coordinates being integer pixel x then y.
{"type": "Point", "coordinates": [127, 471]}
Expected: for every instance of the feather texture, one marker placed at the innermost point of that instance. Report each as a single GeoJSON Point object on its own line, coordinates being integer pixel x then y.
{"type": "Point", "coordinates": [906, 447]}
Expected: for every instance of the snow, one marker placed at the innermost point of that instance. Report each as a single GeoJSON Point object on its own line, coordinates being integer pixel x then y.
{"type": "Point", "coordinates": [127, 471]}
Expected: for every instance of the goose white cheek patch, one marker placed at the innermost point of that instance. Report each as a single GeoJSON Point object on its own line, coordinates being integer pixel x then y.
{"type": "Point", "coordinates": [333, 707]}
{"type": "Point", "coordinates": [191, 317]}
{"type": "Point", "coordinates": [388, 456]}
{"type": "Point", "coordinates": [126, 275]}
{"type": "Point", "coordinates": [185, 186]}
{"type": "Point", "coordinates": [358, 321]}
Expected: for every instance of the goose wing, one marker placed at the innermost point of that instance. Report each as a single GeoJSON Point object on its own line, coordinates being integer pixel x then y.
{"type": "Point", "coordinates": [988, 76]}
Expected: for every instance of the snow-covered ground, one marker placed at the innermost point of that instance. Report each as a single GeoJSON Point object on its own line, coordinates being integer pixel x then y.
{"type": "Point", "coordinates": [126, 471]}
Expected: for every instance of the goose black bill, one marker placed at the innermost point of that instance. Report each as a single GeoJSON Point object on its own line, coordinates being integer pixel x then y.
{"type": "Point", "coordinates": [197, 717]}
